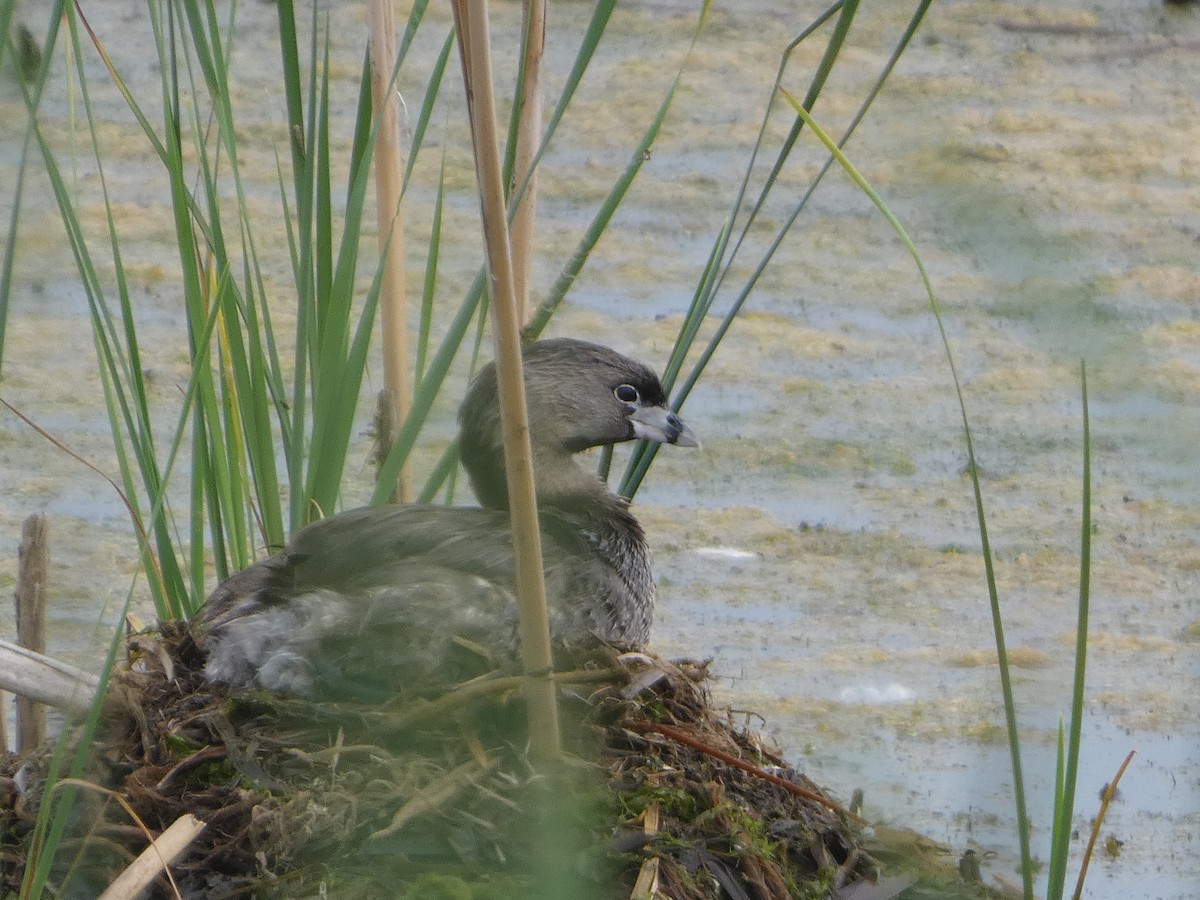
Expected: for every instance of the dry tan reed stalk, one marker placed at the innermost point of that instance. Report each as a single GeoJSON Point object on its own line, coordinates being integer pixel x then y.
{"type": "Point", "coordinates": [389, 171]}
{"type": "Point", "coordinates": [471, 20]}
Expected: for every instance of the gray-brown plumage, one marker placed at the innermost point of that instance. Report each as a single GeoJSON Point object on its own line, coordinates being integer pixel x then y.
{"type": "Point", "coordinates": [391, 599]}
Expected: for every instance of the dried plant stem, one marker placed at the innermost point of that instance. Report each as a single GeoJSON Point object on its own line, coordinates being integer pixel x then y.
{"type": "Point", "coordinates": [1110, 791]}
{"type": "Point", "coordinates": [46, 680]}
{"type": "Point", "coordinates": [647, 880]}
{"type": "Point", "coordinates": [30, 597]}
{"type": "Point", "coordinates": [471, 20]}
{"type": "Point", "coordinates": [389, 173]}
{"type": "Point", "coordinates": [529, 136]}
{"type": "Point", "coordinates": [154, 859]}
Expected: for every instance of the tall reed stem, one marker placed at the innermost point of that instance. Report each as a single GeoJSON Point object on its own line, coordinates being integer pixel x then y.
{"type": "Point", "coordinates": [389, 175]}
{"type": "Point", "coordinates": [471, 19]}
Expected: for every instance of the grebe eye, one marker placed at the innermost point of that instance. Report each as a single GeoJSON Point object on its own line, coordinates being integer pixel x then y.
{"type": "Point", "coordinates": [627, 393]}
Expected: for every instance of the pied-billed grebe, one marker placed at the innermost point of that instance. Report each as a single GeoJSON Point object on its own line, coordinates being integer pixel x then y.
{"type": "Point", "coordinates": [383, 599]}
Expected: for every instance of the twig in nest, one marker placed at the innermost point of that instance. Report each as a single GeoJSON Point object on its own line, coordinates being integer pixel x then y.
{"type": "Point", "coordinates": [434, 795]}
{"type": "Point", "coordinates": [199, 758]}
{"type": "Point", "coordinates": [647, 880]}
{"type": "Point", "coordinates": [482, 687]}
{"type": "Point", "coordinates": [678, 734]}
{"type": "Point", "coordinates": [331, 755]}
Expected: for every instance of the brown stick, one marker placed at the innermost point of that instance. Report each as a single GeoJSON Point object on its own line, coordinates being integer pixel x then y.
{"type": "Point", "coordinates": [678, 734]}
{"type": "Point", "coordinates": [34, 560]}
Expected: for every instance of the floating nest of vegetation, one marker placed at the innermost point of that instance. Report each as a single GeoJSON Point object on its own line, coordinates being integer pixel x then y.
{"type": "Point", "coordinates": [660, 795]}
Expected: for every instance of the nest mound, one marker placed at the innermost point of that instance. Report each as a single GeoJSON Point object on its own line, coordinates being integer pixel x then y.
{"type": "Point", "coordinates": [660, 794]}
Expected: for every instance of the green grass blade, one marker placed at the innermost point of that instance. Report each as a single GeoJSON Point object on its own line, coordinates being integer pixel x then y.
{"type": "Point", "coordinates": [443, 472]}
{"type": "Point", "coordinates": [1065, 797]}
{"type": "Point", "coordinates": [973, 469]}
{"type": "Point", "coordinates": [118, 368]}
{"type": "Point", "coordinates": [57, 802]}
{"type": "Point", "coordinates": [845, 13]}
{"type": "Point", "coordinates": [428, 104]}
{"type": "Point", "coordinates": [723, 257]}
{"type": "Point", "coordinates": [1056, 870]}
{"type": "Point", "coordinates": [427, 390]}
{"type": "Point", "coordinates": [338, 373]}
{"type": "Point", "coordinates": [416, 16]}
{"type": "Point", "coordinates": [293, 95]}
{"type": "Point", "coordinates": [429, 283]}
{"type": "Point", "coordinates": [570, 271]}
{"type": "Point", "coordinates": [10, 245]}
{"type": "Point", "coordinates": [33, 102]}
{"type": "Point", "coordinates": [592, 36]}
{"type": "Point", "coordinates": [439, 365]}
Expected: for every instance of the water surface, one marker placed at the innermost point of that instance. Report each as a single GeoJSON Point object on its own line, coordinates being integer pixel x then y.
{"type": "Point", "coordinates": [1043, 159]}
